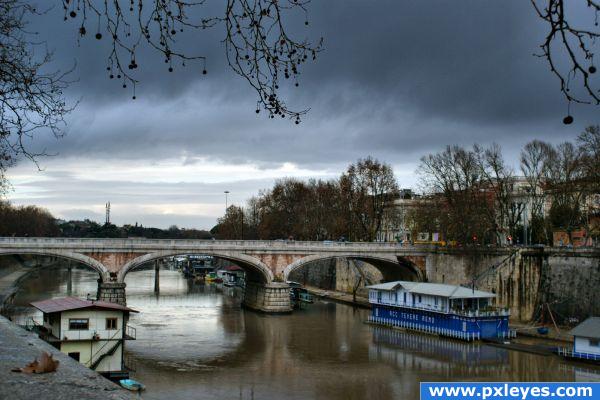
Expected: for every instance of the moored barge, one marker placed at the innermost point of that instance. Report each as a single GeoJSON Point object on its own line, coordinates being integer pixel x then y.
{"type": "Point", "coordinates": [446, 310]}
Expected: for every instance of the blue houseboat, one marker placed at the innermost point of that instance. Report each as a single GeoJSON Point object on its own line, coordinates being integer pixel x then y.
{"type": "Point", "coordinates": [445, 310]}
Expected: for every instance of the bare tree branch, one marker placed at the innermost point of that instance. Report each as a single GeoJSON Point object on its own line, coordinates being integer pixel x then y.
{"type": "Point", "coordinates": [576, 43]}
{"type": "Point", "coordinates": [258, 46]}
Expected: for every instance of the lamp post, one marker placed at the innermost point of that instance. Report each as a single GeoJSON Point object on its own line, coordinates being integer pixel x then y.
{"type": "Point", "coordinates": [226, 193]}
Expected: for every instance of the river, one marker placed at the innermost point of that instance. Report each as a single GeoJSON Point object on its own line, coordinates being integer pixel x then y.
{"type": "Point", "coordinates": [195, 342]}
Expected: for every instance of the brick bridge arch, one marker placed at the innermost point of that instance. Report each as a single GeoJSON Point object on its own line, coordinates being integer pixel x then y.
{"type": "Point", "coordinates": [392, 268]}
{"type": "Point", "coordinates": [66, 255]}
{"type": "Point", "coordinates": [255, 269]}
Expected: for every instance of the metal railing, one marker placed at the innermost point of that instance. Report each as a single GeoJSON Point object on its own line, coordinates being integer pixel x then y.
{"type": "Point", "coordinates": [562, 351]}
{"type": "Point", "coordinates": [193, 242]}
{"type": "Point", "coordinates": [488, 312]}
{"type": "Point", "coordinates": [94, 363]}
{"type": "Point", "coordinates": [130, 332]}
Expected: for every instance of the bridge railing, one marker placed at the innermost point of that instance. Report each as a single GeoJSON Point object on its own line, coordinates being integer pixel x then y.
{"type": "Point", "coordinates": [191, 242]}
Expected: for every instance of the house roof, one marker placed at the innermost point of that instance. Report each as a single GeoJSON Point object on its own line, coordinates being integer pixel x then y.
{"type": "Point", "coordinates": [589, 328]}
{"type": "Point", "coordinates": [73, 303]}
{"type": "Point", "coordinates": [435, 289]}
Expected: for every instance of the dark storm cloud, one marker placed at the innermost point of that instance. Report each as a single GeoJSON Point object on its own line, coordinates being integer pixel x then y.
{"type": "Point", "coordinates": [396, 79]}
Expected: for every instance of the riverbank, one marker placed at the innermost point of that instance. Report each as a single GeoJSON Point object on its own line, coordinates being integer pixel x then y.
{"type": "Point", "coordinates": [70, 381]}
{"type": "Point", "coordinates": [339, 297]}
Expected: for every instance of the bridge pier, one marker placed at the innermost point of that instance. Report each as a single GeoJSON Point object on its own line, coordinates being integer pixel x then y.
{"type": "Point", "coordinates": [69, 278]}
{"type": "Point", "coordinates": [268, 298]}
{"type": "Point", "coordinates": [113, 292]}
{"type": "Point", "coordinates": [156, 276]}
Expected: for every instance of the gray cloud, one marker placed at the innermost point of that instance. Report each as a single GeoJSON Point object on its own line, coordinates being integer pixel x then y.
{"type": "Point", "coordinates": [397, 79]}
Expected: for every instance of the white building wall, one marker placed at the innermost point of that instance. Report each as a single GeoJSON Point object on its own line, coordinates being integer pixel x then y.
{"type": "Point", "coordinates": [582, 345]}
{"type": "Point", "coordinates": [97, 324]}
{"type": "Point", "coordinates": [82, 342]}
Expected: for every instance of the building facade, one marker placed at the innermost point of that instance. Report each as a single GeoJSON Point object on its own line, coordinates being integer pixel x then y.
{"type": "Point", "coordinates": [91, 332]}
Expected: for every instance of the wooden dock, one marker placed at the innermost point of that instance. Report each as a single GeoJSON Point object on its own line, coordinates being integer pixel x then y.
{"type": "Point", "coordinates": [525, 348]}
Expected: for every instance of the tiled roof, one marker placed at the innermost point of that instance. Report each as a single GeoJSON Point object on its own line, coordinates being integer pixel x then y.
{"type": "Point", "coordinates": [73, 303]}
{"type": "Point", "coordinates": [435, 289]}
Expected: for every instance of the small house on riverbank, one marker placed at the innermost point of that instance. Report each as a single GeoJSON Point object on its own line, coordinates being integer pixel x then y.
{"type": "Point", "coordinates": [445, 310]}
{"type": "Point", "coordinates": [92, 332]}
{"type": "Point", "coordinates": [586, 341]}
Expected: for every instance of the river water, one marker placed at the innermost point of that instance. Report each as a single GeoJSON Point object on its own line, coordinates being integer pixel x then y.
{"type": "Point", "coordinates": [195, 342]}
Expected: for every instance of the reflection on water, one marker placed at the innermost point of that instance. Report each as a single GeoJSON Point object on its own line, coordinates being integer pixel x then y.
{"type": "Point", "coordinates": [195, 342]}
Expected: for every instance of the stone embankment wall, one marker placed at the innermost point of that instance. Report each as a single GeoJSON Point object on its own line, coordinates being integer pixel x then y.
{"type": "Point", "coordinates": [71, 380]}
{"type": "Point", "coordinates": [338, 274]}
{"type": "Point", "coordinates": [526, 280]}
{"type": "Point", "coordinates": [530, 281]}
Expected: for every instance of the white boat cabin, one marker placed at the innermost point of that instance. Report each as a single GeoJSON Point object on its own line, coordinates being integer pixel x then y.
{"type": "Point", "coordinates": [92, 332]}
{"type": "Point", "coordinates": [435, 297]}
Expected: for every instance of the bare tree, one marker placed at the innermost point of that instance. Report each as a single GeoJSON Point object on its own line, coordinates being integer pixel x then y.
{"type": "Point", "coordinates": [534, 166]}
{"type": "Point", "coordinates": [259, 46]}
{"type": "Point", "coordinates": [368, 187]}
{"type": "Point", "coordinates": [31, 96]}
{"type": "Point", "coordinates": [589, 148]}
{"type": "Point", "coordinates": [566, 37]}
{"type": "Point", "coordinates": [500, 179]}
{"type": "Point", "coordinates": [565, 179]}
{"type": "Point", "coordinates": [453, 180]}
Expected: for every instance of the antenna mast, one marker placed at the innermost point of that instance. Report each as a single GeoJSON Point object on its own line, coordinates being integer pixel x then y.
{"type": "Point", "coordinates": [107, 213]}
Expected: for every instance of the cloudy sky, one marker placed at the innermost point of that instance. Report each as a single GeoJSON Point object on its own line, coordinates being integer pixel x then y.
{"type": "Point", "coordinates": [397, 79]}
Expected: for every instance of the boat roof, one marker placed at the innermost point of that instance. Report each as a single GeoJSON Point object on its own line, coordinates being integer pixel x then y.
{"type": "Point", "coordinates": [589, 328]}
{"type": "Point", "coordinates": [232, 268]}
{"type": "Point", "coordinates": [74, 303]}
{"type": "Point", "coordinates": [435, 289]}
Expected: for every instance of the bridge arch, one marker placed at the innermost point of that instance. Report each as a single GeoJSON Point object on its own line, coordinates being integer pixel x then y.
{"type": "Point", "coordinates": [255, 269]}
{"type": "Point", "coordinates": [390, 267]}
{"type": "Point", "coordinates": [67, 255]}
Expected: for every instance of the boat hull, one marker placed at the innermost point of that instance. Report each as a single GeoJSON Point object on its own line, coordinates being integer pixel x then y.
{"type": "Point", "coordinates": [443, 324]}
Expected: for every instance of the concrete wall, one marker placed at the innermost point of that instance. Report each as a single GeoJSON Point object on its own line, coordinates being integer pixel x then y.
{"type": "Point", "coordinates": [570, 283]}
{"type": "Point", "coordinates": [71, 380]}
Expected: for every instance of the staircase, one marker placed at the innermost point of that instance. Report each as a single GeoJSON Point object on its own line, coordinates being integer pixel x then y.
{"type": "Point", "coordinates": [94, 363]}
{"type": "Point", "coordinates": [110, 352]}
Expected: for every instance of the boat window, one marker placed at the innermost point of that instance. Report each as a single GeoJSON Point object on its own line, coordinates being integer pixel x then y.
{"type": "Point", "coordinates": [111, 324]}
{"type": "Point", "coordinates": [79, 324]}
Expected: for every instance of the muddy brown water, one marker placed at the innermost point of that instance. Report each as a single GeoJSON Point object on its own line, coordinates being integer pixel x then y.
{"type": "Point", "coordinates": [194, 341]}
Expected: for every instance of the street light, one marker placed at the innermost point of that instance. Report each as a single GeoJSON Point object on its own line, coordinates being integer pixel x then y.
{"type": "Point", "coordinates": [226, 193]}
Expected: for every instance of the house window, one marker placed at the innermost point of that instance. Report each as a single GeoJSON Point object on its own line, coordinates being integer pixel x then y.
{"type": "Point", "coordinates": [405, 297]}
{"type": "Point", "coordinates": [379, 296]}
{"type": "Point", "coordinates": [74, 356]}
{"type": "Point", "coordinates": [595, 342]}
{"type": "Point", "coordinates": [111, 324]}
{"type": "Point", "coordinates": [396, 297]}
{"type": "Point", "coordinates": [79, 324]}
{"type": "Point", "coordinates": [420, 299]}
{"type": "Point", "coordinates": [435, 301]}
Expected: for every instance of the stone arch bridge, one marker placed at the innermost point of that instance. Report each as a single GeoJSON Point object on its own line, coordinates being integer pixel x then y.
{"type": "Point", "coordinates": [267, 263]}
